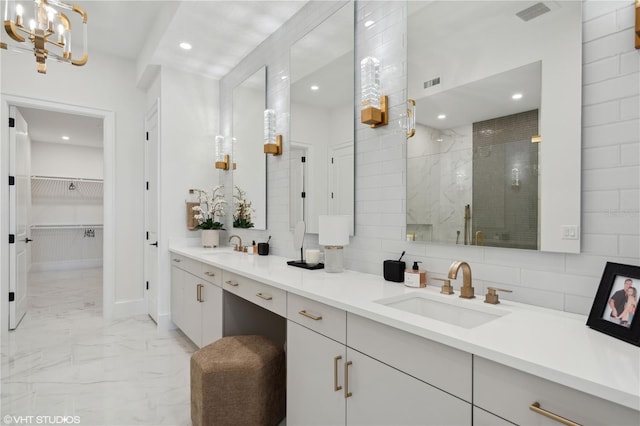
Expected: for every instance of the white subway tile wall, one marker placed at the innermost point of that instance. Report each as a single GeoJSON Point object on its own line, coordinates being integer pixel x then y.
{"type": "Point", "coordinates": [610, 228]}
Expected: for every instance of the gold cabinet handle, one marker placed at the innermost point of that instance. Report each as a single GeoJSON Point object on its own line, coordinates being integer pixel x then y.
{"type": "Point", "coordinates": [210, 274]}
{"type": "Point", "coordinates": [264, 296]}
{"type": "Point", "coordinates": [336, 386]}
{"type": "Point", "coordinates": [177, 260]}
{"type": "Point", "coordinates": [536, 407]}
{"type": "Point", "coordinates": [347, 394]}
{"type": "Point", "coordinates": [199, 292]}
{"type": "Point", "coordinates": [308, 315]}
{"type": "Point", "coordinates": [231, 283]}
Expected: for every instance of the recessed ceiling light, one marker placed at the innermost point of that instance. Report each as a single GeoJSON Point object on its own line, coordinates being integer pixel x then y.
{"type": "Point", "coordinates": [369, 23]}
{"type": "Point", "coordinates": [315, 88]}
{"type": "Point", "coordinates": [516, 96]}
{"type": "Point", "coordinates": [284, 77]}
{"type": "Point", "coordinates": [186, 46]}
{"type": "Point", "coordinates": [442, 117]}
{"type": "Point", "coordinates": [65, 138]}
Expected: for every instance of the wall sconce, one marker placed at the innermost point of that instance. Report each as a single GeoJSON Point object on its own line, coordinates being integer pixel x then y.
{"type": "Point", "coordinates": [374, 107]}
{"type": "Point", "coordinates": [222, 154]}
{"type": "Point", "coordinates": [411, 118]}
{"type": "Point", "coordinates": [272, 142]}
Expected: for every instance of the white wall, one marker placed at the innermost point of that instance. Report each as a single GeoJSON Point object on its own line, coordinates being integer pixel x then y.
{"type": "Point", "coordinates": [610, 163]}
{"type": "Point", "coordinates": [105, 84]}
{"type": "Point", "coordinates": [188, 125]}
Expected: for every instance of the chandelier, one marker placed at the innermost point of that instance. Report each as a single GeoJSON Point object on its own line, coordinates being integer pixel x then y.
{"type": "Point", "coordinates": [48, 30]}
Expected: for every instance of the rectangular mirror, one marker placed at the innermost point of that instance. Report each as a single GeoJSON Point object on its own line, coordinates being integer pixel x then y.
{"type": "Point", "coordinates": [249, 160]}
{"type": "Point", "coordinates": [322, 121]}
{"type": "Point", "coordinates": [495, 159]}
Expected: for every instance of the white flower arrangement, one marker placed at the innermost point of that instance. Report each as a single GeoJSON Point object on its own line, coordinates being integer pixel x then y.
{"type": "Point", "coordinates": [211, 207]}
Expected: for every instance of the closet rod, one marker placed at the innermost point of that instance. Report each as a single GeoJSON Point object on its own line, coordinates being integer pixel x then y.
{"type": "Point", "coordinates": [65, 226]}
{"type": "Point", "coordinates": [66, 179]}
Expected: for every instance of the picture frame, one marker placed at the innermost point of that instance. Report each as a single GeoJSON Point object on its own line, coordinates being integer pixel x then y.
{"type": "Point", "coordinates": [614, 310]}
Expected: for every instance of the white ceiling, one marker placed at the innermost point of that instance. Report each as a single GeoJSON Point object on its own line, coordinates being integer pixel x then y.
{"type": "Point", "coordinates": [221, 33]}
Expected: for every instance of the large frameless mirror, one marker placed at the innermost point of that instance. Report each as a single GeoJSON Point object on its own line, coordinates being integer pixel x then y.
{"type": "Point", "coordinates": [322, 121]}
{"type": "Point", "coordinates": [250, 164]}
{"type": "Point", "coordinates": [495, 159]}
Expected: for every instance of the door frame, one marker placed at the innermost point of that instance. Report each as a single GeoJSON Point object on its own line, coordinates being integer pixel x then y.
{"type": "Point", "coordinates": [108, 249]}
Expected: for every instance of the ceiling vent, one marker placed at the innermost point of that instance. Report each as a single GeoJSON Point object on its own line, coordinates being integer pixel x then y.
{"type": "Point", "coordinates": [533, 12]}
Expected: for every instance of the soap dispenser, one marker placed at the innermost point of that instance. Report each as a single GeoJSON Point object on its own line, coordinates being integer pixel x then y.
{"type": "Point", "coordinates": [415, 277]}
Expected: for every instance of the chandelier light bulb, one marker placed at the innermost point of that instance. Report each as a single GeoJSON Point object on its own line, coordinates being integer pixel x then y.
{"type": "Point", "coordinates": [32, 24]}
{"type": "Point", "coordinates": [19, 10]}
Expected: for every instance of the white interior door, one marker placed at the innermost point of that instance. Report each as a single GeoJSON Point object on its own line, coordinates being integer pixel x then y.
{"type": "Point", "coordinates": [341, 181]}
{"type": "Point", "coordinates": [151, 211]}
{"type": "Point", "coordinates": [19, 163]}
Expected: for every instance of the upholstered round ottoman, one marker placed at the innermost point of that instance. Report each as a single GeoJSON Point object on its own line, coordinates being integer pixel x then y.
{"type": "Point", "coordinates": [238, 380]}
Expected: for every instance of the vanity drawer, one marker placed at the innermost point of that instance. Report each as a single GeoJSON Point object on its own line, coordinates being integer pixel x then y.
{"type": "Point", "coordinates": [211, 274]}
{"type": "Point", "coordinates": [439, 365]}
{"type": "Point", "coordinates": [508, 393]}
{"type": "Point", "coordinates": [270, 298]}
{"type": "Point", "coordinates": [324, 319]}
{"type": "Point", "coordinates": [186, 264]}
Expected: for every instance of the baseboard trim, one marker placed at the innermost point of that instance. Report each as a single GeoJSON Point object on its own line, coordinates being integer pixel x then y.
{"type": "Point", "coordinates": [128, 308]}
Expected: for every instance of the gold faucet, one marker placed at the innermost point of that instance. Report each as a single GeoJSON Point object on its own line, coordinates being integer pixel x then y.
{"type": "Point", "coordinates": [237, 247]}
{"type": "Point", "coordinates": [466, 291]}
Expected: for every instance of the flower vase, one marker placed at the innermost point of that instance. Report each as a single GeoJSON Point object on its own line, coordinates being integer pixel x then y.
{"type": "Point", "coordinates": [210, 237]}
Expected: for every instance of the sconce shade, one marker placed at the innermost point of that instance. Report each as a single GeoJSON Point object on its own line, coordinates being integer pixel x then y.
{"type": "Point", "coordinates": [333, 230]}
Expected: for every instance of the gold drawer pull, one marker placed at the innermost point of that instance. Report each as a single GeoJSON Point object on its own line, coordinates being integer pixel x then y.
{"type": "Point", "coordinates": [264, 296]}
{"type": "Point", "coordinates": [536, 407]}
{"type": "Point", "coordinates": [231, 283]}
{"type": "Point", "coordinates": [177, 260]}
{"type": "Point", "coordinates": [347, 394]}
{"type": "Point", "coordinates": [336, 386]}
{"type": "Point", "coordinates": [199, 293]}
{"type": "Point", "coordinates": [308, 315]}
{"type": "Point", "coordinates": [210, 274]}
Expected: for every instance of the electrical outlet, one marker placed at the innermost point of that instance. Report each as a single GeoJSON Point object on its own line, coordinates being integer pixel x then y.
{"type": "Point", "coordinates": [570, 232]}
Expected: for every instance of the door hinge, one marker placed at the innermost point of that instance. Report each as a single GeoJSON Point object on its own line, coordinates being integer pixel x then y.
{"type": "Point", "coordinates": [147, 235]}
{"type": "Point", "coordinates": [147, 185]}
{"type": "Point", "coordinates": [303, 195]}
{"type": "Point", "coordinates": [147, 136]}
{"type": "Point", "coordinates": [12, 122]}
{"type": "Point", "coordinates": [332, 195]}
{"type": "Point", "coordinates": [331, 160]}
{"type": "Point", "coordinates": [12, 296]}
{"type": "Point", "coordinates": [12, 239]}
{"type": "Point", "coordinates": [12, 180]}
{"type": "Point", "coordinates": [303, 159]}
{"type": "Point", "coordinates": [147, 285]}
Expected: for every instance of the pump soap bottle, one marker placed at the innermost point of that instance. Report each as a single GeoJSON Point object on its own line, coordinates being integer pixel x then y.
{"type": "Point", "coordinates": [415, 277]}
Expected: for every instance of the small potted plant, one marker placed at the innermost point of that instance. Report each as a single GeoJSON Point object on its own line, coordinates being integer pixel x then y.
{"type": "Point", "coordinates": [207, 213]}
{"type": "Point", "coordinates": [242, 216]}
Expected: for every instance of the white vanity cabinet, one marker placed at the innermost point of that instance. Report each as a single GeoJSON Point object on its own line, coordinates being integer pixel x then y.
{"type": "Point", "coordinates": [196, 299]}
{"type": "Point", "coordinates": [509, 393]}
{"type": "Point", "coordinates": [329, 383]}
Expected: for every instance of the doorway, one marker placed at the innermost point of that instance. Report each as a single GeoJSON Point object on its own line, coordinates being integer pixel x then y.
{"type": "Point", "coordinates": [107, 213]}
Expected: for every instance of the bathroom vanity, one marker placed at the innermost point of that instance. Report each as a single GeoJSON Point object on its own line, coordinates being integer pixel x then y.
{"type": "Point", "coordinates": [362, 350]}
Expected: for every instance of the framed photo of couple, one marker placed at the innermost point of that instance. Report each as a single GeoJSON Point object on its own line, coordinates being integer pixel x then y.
{"type": "Point", "coordinates": [614, 311]}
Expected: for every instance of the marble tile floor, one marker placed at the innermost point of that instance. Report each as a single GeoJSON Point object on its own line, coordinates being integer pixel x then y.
{"type": "Point", "coordinates": [65, 360]}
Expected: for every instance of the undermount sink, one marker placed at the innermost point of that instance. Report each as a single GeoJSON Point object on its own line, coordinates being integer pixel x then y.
{"type": "Point", "coordinates": [446, 310]}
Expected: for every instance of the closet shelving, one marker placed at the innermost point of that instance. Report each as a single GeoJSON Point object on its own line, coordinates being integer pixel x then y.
{"type": "Point", "coordinates": [66, 187]}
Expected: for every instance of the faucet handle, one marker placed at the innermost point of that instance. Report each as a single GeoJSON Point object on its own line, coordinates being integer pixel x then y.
{"type": "Point", "coordinates": [447, 288]}
{"type": "Point", "coordinates": [492, 295]}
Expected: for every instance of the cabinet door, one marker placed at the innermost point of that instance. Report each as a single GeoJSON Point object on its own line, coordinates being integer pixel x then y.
{"type": "Point", "coordinates": [211, 313]}
{"type": "Point", "coordinates": [177, 284]}
{"type": "Point", "coordinates": [312, 398]}
{"type": "Point", "coordinates": [382, 395]}
{"type": "Point", "coordinates": [192, 310]}
{"type": "Point", "coordinates": [484, 418]}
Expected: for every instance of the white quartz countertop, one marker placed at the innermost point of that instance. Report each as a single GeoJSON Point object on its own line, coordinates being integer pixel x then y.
{"type": "Point", "coordinates": [554, 345]}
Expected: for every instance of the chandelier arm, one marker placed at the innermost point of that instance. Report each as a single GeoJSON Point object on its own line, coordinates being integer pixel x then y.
{"type": "Point", "coordinates": [12, 31]}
